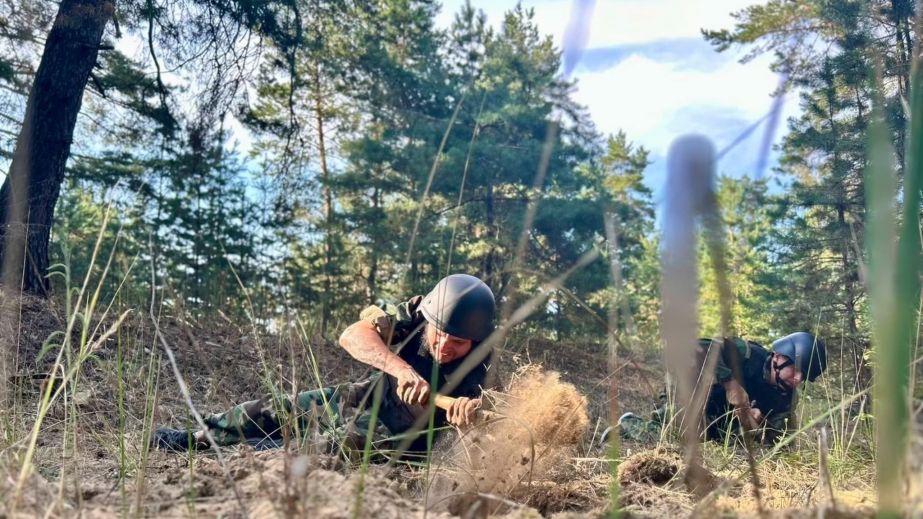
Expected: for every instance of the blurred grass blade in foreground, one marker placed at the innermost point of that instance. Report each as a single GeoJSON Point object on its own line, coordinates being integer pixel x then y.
{"type": "Point", "coordinates": [894, 290]}
{"type": "Point", "coordinates": [690, 185]}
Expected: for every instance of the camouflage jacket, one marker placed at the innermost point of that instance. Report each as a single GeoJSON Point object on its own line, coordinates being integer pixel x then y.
{"type": "Point", "coordinates": [402, 326]}
{"type": "Point", "coordinates": [754, 374]}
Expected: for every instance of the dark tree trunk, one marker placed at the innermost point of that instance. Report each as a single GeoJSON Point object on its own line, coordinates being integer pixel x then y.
{"type": "Point", "coordinates": [29, 194]}
{"type": "Point", "coordinates": [488, 267]}
{"type": "Point", "coordinates": [372, 280]}
{"type": "Point", "coordinates": [850, 278]}
{"type": "Point", "coordinates": [328, 204]}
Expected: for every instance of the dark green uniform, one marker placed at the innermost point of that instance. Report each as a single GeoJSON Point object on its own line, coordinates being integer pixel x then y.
{"type": "Point", "coordinates": [754, 361]}
{"type": "Point", "coordinates": [755, 369]}
{"type": "Point", "coordinates": [343, 412]}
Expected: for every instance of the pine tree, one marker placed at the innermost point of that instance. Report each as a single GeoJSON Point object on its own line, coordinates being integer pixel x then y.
{"type": "Point", "coordinates": [300, 114]}
{"type": "Point", "coordinates": [748, 212]}
{"type": "Point", "coordinates": [37, 169]}
{"type": "Point", "coordinates": [400, 87]}
{"type": "Point", "coordinates": [821, 230]}
{"type": "Point", "coordinates": [203, 226]}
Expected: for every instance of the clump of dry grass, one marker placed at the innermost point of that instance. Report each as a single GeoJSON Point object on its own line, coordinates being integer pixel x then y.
{"type": "Point", "coordinates": [828, 513]}
{"type": "Point", "coordinates": [541, 422]}
{"type": "Point", "coordinates": [40, 498]}
{"type": "Point", "coordinates": [651, 481]}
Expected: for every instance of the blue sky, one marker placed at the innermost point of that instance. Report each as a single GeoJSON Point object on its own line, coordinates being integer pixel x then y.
{"type": "Point", "coordinates": [646, 70]}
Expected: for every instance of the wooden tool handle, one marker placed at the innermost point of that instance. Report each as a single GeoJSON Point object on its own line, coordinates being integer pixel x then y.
{"type": "Point", "coordinates": [444, 402]}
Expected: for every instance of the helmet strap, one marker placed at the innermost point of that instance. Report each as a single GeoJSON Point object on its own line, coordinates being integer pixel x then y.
{"type": "Point", "coordinates": [780, 384]}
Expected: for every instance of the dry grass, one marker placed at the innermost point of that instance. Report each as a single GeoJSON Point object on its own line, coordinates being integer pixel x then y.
{"type": "Point", "coordinates": [541, 422]}
{"type": "Point", "coordinates": [102, 470]}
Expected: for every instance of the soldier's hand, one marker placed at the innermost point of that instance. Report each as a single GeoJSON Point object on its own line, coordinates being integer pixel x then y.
{"type": "Point", "coordinates": [412, 388]}
{"type": "Point", "coordinates": [463, 410]}
{"type": "Point", "coordinates": [736, 395]}
{"type": "Point", "coordinates": [757, 416]}
{"type": "Point", "coordinates": [750, 418]}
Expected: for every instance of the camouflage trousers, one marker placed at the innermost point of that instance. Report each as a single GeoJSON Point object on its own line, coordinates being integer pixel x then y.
{"type": "Point", "coordinates": [331, 418]}
{"type": "Point", "coordinates": [643, 430]}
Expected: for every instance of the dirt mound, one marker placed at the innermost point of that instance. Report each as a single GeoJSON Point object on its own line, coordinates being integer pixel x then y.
{"type": "Point", "coordinates": [26, 323]}
{"type": "Point", "coordinates": [826, 512]}
{"type": "Point", "coordinates": [651, 481]}
{"type": "Point", "coordinates": [222, 362]}
{"type": "Point", "coordinates": [653, 467]}
{"type": "Point", "coordinates": [37, 498]}
{"type": "Point", "coordinates": [28, 318]}
{"type": "Point", "coordinates": [531, 460]}
{"type": "Point", "coordinates": [278, 484]}
{"type": "Point", "coordinates": [538, 424]}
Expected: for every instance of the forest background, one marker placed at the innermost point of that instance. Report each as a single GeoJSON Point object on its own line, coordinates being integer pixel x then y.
{"type": "Point", "coordinates": [387, 152]}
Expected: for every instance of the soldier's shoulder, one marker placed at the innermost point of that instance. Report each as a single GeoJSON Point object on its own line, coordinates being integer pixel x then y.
{"type": "Point", "coordinates": [394, 322]}
{"type": "Point", "coordinates": [413, 304]}
{"type": "Point", "coordinates": [753, 345]}
{"type": "Point", "coordinates": [408, 310]}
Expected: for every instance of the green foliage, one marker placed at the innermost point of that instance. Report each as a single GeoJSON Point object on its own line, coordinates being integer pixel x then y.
{"type": "Point", "coordinates": [22, 25]}
{"type": "Point", "coordinates": [125, 82]}
{"type": "Point", "coordinates": [203, 225]}
{"type": "Point", "coordinates": [80, 216]}
{"type": "Point", "coordinates": [747, 209]}
{"type": "Point", "coordinates": [349, 108]}
{"type": "Point", "coordinates": [818, 235]}
{"type": "Point", "coordinates": [187, 214]}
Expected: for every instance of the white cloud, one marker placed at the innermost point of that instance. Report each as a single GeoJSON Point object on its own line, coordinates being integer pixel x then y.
{"type": "Point", "coordinates": [632, 21]}
{"type": "Point", "coordinates": [617, 21]}
{"type": "Point", "coordinates": [654, 101]}
{"type": "Point", "coordinates": [648, 99]}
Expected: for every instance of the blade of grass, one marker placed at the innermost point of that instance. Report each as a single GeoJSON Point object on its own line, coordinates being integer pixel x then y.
{"type": "Point", "coordinates": [894, 289]}
{"type": "Point", "coordinates": [612, 238]}
{"type": "Point", "coordinates": [690, 177]}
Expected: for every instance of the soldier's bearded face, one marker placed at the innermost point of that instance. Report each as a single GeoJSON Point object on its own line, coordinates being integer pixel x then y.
{"type": "Point", "coordinates": [445, 348]}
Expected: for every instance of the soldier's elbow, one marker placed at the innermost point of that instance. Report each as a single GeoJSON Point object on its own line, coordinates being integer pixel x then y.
{"type": "Point", "coordinates": [347, 335]}
{"type": "Point", "coordinates": [357, 334]}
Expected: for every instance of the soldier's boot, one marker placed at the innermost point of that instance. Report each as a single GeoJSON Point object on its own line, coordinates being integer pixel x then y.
{"type": "Point", "coordinates": [265, 443]}
{"type": "Point", "coordinates": [175, 440]}
{"type": "Point", "coordinates": [633, 427]}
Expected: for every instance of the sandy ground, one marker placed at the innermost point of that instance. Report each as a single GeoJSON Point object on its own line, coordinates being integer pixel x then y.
{"type": "Point", "coordinates": [541, 460]}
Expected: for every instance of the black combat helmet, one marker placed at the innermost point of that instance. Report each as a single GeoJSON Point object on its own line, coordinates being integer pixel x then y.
{"type": "Point", "coordinates": [461, 305]}
{"type": "Point", "coordinates": [806, 351]}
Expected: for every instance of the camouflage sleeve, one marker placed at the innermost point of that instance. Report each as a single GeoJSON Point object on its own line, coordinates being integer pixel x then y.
{"type": "Point", "coordinates": [395, 322]}
{"type": "Point", "coordinates": [723, 368]}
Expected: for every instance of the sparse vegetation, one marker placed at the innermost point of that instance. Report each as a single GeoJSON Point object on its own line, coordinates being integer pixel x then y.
{"type": "Point", "coordinates": [157, 271]}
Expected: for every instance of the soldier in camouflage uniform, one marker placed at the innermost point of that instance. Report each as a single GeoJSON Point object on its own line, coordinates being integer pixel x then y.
{"type": "Point", "coordinates": [424, 346]}
{"type": "Point", "coordinates": [753, 386]}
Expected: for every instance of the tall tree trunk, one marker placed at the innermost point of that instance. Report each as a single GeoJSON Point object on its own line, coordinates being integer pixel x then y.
{"type": "Point", "coordinates": [372, 280]}
{"type": "Point", "coordinates": [489, 266]}
{"type": "Point", "coordinates": [198, 259]}
{"type": "Point", "coordinates": [850, 277]}
{"type": "Point", "coordinates": [31, 189]}
{"type": "Point", "coordinates": [851, 270]}
{"type": "Point", "coordinates": [902, 12]}
{"type": "Point", "coordinates": [328, 203]}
